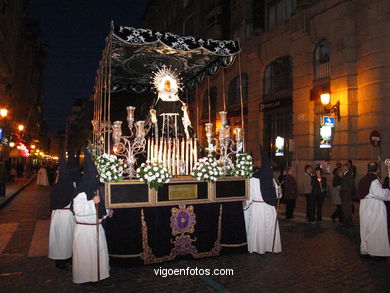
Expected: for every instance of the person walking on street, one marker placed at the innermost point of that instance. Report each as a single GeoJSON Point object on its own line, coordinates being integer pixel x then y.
{"type": "Point", "coordinates": [290, 193]}
{"type": "Point", "coordinates": [336, 200]}
{"type": "Point", "coordinates": [347, 190]}
{"type": "Point", "coordinates": [317, 196]}
{"type": "Point", "coordinates": [307, 178]}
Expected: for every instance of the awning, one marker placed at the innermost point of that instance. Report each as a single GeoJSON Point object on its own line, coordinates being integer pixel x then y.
{"type": "Point", "coordinates": [136, 53]}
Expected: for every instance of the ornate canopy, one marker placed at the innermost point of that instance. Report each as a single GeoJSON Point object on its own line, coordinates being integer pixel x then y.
{"type": "Point", "coordinates": [136, 53]}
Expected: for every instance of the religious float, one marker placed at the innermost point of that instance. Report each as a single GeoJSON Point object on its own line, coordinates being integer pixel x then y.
{"type": "Point", "coordinates": [169, 201]}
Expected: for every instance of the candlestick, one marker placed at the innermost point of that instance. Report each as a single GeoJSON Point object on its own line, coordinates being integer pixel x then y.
{"type": "Point", "coordinates": [116, 132]}
{"type": "Point", "coordinates": [140, 130]}
{"type": "Point", "coordinates": [130, 116]}
{"type": "Point", "coordinates": [222, 115]}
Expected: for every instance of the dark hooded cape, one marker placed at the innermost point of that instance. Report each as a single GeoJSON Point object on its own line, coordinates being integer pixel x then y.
{"type": "Point", "coordinates": [63, 192]}
{"type": "Point", "coordinates": [365, 184]}
{"type": "Point", "coordinates": [265, 175]}
{"type": "Point", "coordinates": [74, 169]}
{"type": "Point", "coordinates": [90, 183]}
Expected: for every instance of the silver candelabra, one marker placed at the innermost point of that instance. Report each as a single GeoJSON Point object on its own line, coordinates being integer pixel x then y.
{"type": "Point", "coordinates": [132, 145]}
{"type": "Point", "coordinates": [224, 146]}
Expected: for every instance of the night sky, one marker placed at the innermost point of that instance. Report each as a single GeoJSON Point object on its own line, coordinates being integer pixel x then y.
{"type": "Point", "coordinates": [74, 31]}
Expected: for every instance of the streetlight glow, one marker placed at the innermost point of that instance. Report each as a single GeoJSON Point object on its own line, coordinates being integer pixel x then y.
{"type": "Point", "coordinates": [325, 98]}
{"type": "Point", "coordinates": [3, 112]}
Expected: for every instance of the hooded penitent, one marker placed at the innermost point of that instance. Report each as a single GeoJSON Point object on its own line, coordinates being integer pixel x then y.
{"type": "Point", "coordinates": [264, 174]}
{"type": "Point", "coordinates": [74, 169]}
{"type": "Point", "coordinates": [62, 193]}
{"type": "Point", "coordinates": [365, 184]}
{"type": "Point", "coordinates": [90, 182]}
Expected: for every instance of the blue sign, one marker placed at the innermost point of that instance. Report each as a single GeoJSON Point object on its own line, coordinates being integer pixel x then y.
{"type": "Point", "coordinates": [1, 133]}
{"type": "Point", "coordinates": [328, 121]}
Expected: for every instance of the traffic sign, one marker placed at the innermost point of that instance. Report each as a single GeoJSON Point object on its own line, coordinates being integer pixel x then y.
{"type": "Point", "coordinates": [328, 121]}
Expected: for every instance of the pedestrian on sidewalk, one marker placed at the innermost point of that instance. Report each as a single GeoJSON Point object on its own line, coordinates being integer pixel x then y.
{"type": "Point", "coordinates": [3, 178]}
{"type": "Point", "coordinates": [317, 196]}
{"type": "Point", "coordinates": [307, 179]}
{"type": "Point", "coordinates": [62, 219]}
{"type": "Point", "coordinates": [42, 178]}
{"type": "Point", "coordinates": [336, 200]}
{"type": "Point", "coordinates": [347, 190]}
{"type": "Point", "coordinates": [373, 216]}
{"type": "Point", "coordinates": [290, 193]}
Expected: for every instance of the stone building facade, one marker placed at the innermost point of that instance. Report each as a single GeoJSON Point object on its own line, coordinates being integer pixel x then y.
{"type": "Point", "coordinates": [22, 61]}
{"type": "Point", "coordinates": [292, 51]}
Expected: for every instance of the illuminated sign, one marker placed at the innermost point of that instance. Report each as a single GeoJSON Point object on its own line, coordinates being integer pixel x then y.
{"type": "Point", "coordinates": [327, 121]}
{"type": "Point", "coordinates": [326, 136]}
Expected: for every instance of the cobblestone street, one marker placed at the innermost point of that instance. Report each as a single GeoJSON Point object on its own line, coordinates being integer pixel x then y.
{"type": "Point", "coordinates": [314, 259]}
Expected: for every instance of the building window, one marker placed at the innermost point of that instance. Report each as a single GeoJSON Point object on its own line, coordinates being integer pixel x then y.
{"type": "Point", "coordinates": [234, 100]}
{"type": "Point", "coordinates": [279, 11]}
{"type": "Point", "coordinates": [278, 120]}
{"type": "Point", "coordinates": [213, 101]}
{"type": "Point", "coordinates": [278, 77]}
{"type": "Point", "coordinates": [321, 60]}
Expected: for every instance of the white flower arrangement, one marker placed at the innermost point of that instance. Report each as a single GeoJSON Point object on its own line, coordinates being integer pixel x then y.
{"type": "Point", "coordinates": [244, 166]}
{"type": "Point", "coordinates": [153, 174]}
{"type": "Point", "coordinates": [109, 168]}
{"type": "Point", "coordinates": [208, 169]}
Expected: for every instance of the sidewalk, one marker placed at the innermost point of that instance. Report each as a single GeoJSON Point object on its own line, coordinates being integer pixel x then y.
{"type": "Point", "coordinates": [13, 188]}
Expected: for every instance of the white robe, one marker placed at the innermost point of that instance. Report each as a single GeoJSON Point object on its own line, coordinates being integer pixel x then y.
{"type": "Point", "coordinates": [84, 243]}
{"type": "Point", "coordinates": [373, 221]}
{"type": "Point", "coordinates": [42, 177]}
{"type": "Point", "coordinates": [260, 219]}
{"type": "Point", "coordinates": [61, 234]}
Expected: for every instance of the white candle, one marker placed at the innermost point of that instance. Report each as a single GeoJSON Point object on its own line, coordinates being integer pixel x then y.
{"type": "Point", "coordinates": [160, 150]}
{"type": "Point", "coordinates": [195, 151]}
{"type": "Point", "coordinates": [177, 156]}
{"type": "Point", "coordinates": [187, 157]}
{"type": "Point", "coordinates": [169, 155]}
{"type": "Point", "coordinates": [191, 155]}
{"type": "Point", "coordinates": [148, 151]}
{"type": "Point", "coordinates": [173, 156]}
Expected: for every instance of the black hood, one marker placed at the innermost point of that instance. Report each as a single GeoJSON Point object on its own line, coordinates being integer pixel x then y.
{"type": "Point", "coordinates": [74, 168]}
{"type": "Point", "coordinates": [62, 193]}
{"type": "Point", "coordinates": [265, 175]}
{"type": "Point", "coordinates": [90, 182]}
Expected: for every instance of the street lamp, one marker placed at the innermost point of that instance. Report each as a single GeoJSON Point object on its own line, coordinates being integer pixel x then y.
{"type": "Point", "coordinates": [3, 112]}
{"type": "Point", "coordinates": [335, 109]}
